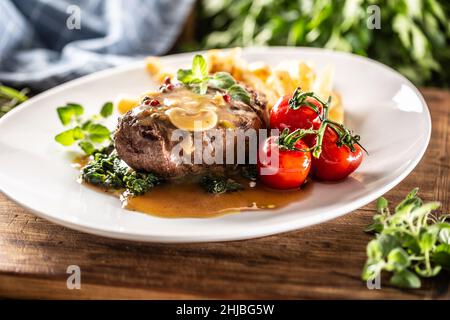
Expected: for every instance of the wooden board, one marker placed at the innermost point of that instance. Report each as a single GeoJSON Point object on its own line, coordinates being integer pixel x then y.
{"type": "Point", "coordinates": [322, 261]}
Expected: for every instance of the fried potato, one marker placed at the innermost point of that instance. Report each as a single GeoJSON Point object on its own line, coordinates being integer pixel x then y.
{"type": "Point", "coordinates": [336, 112]}
{"type": "Point", "coordinates": [282, 81]}
{"type": "Point", "coordinates": [324, 83]}
{"type": "Point", "coordinates": [124, 103]}
{"type": "Point", "coordinates": [260, 85]}
{"type": "Point", "coordinates": [157, 70]}
{"type": "Point", "coordinates": [153, 65]}
{"type": "Point", "coordinates": [260, 70]}
{"type": "Point", "coordinates": [273, 82]}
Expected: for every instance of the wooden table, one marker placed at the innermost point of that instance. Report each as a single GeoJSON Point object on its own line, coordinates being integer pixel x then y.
{"type": "Point", "coordinates": [322, 261]}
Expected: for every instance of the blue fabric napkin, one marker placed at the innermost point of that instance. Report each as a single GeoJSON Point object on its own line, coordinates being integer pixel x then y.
{"type": "Point", "coordinates": [46, 42]}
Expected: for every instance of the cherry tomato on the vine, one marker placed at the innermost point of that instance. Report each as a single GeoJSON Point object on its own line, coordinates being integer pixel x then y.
{"type": "Point", "coordinates": [282, 116]}
{"type": "Point", "coordinates": [281, 168]}
{"type": "Point", "coordinates": [335, 162]}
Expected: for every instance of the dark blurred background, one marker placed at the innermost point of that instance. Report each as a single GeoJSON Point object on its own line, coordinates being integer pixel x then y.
{"type": "Point", "coordinates": [38, 48]}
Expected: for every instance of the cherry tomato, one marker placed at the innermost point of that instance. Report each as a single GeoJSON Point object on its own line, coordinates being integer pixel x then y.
{"type": "Point", "coordinates": [335, 163]}
{"type": "Point", "coordinates": [292, 168]}
{"type": "Point", "coordinates": [282, 117]}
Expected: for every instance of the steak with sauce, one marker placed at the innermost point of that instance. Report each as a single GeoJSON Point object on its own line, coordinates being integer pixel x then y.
{"type": "Point", "coordinates": [143, 135]}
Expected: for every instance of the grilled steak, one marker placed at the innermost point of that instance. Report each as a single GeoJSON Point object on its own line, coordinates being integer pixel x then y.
{"type": "Point", "coordinates": [143, 138]}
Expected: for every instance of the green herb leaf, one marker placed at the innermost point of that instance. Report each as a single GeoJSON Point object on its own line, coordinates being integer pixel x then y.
{"type": "Point", "coordinates": [388, 243]}
{"type": "Point", "coordinates": [107, 110]}
{"type": "Point", "coordinates": [89, 131]}
{"type": "Point", "coordinates": [98, 133]}
{"type": "Point", "coordinates": [411, 242]}
{"type": "Point", "coordinates": [374, 251]}
{"type": "Point", "coordinates": [69, 137]}
{"type": "Point", "coordinates": [441, 256]}
{"type": "Point", "coordinates": [199, 67]}
{"type": "Point", "coordinates": [444, 235]}
{"type": "Point", "coordinates": [239, 93]}
{"type": "Point", "coordinates": [405, 279]}
{"type": "Point", "coordinates": [65, 114]}
{"type": "Point", "coordinates": [185, 76]}
{"type": "Point", "coordinates": [427, 240]}
{"type": "Point", "coordinates": [87, 147]}
{"type": "Point", "coordinates": [382, 205]}
{"type": "Point", "coordinates": [78, 109]}
{"type": "Point", "coordinates": [68, 112]}
{"type": "Point", "coordinates": [372, 270]}
{"type": "Point", "coordinates": [397, 260]}
{"type": "Point", "coordinates": [222, 80]}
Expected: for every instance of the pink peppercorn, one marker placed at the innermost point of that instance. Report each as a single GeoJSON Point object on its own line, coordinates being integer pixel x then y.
{"type": "Point", "coordinates": [154, 103]}
{"type": "Point", "coordinates": [227, 98]}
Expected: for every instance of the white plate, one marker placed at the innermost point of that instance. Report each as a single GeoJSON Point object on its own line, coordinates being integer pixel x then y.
{"type": "Point", "coordinates": [382, 106]}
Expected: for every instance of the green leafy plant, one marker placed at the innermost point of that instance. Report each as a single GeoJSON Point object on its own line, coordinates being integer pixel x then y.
{"type": "Point", "coordinates": [198, 79]}
{"type": "Point", "coordinates": [11, 98]}
{"type": "Point", "coordinates": [106, 170]}
{"type": "Point", "coordinates": [88, 133]}
{"type": "Point", "coordinates": [410, 243]}
{"type": "Point", "coordinates": [413, 37]}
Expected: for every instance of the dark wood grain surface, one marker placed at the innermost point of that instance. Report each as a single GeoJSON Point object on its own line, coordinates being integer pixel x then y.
{"type": "Point", "coordinates": [322, 261]}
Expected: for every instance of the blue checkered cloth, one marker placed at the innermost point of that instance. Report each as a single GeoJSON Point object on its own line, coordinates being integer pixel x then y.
{"type": "Point", "coordinates": [46, 42]}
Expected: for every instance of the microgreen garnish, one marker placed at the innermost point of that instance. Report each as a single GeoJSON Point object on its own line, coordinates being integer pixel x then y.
{"type": "Point", "coordinates": [88, 133]}
{"type": "Point", "coordinates": [198, 80]}
{"type": "Point", "coordinates": [410, 243]}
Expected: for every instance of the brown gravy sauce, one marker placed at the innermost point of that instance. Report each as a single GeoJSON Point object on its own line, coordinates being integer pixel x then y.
{"type": "Point", "coordinates": [189, 200]}
{"type": "Point", "coordinates": [186, 199]}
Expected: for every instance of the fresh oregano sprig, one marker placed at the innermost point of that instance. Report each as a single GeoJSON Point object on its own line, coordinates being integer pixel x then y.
{"type": "Point", "coordinates": [410, 243]}
{"type": "Point", "coordinates": [88, 133]}
{"type": "Point", "coordinates": [198, 79]}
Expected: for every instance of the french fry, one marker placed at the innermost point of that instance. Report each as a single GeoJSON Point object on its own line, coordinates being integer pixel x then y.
{"type": "Point", "coordinates": [306, 76]}
{"type": "Point", "coordinates": [260, 69]}
{"type": "Point", "coordinates": [324, 83]}
{"type": "Point", "coordinates": [273, 82]}
{"type": "Point", "coordinates": [282, 82]}
{"type": "Point", "coordinates": [336, 112]}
